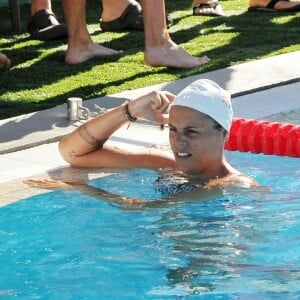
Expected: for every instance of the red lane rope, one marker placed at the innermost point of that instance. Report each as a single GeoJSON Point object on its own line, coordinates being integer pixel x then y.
{"type": "Point", "coordinates": [256, 136]}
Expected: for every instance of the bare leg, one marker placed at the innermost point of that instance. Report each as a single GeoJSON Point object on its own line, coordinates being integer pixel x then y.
{"type": "Point", "coordinates": [160, 50]}
{"type": "Point", "coordinates": [123, 15]}
{"type": "Point", "coordinates": [37, 5]}
{"type": "Point", "coordinates": [4, 61]}
{"type": "Point", "coordinates": [80, 45]}
{"type": "Point", "coordinates": [112, 9]}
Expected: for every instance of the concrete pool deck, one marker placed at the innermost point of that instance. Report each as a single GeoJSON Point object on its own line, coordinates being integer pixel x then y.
{"type": "Point", "coordinates": [28, 143]}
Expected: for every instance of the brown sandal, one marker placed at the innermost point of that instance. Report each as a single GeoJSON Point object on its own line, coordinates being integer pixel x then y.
{"type": "Point", "coordinates": [212, 5]}
{"type": "Point", "coordinates": [131, 19]}
{"type": "Point", "coordinates": [44, 26]}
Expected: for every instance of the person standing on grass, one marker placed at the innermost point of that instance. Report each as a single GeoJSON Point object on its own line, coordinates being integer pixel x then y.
{"type": "Point", "coordinates": [160, 50]}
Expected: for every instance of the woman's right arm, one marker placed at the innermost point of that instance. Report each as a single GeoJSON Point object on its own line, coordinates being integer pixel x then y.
{"type": "Point", "coordinates": [86, 146]}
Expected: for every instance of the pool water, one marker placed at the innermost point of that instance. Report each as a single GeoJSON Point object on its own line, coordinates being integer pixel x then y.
{"type": "Point", "coordinates": [67, 245]}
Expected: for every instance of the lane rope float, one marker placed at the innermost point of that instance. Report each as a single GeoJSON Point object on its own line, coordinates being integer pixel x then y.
{"type": "Point", "coordinates": [260, 136]}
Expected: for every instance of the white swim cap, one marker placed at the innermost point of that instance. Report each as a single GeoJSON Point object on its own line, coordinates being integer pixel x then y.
{"type": "Point", "coordinates": [209, 98]}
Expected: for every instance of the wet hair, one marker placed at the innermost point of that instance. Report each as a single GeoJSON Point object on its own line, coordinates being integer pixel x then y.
{"type": "Point", "coordinates": [218, 127]}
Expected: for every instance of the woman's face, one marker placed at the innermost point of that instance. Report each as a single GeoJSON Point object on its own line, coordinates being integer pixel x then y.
{"type": "Point", "coordinates": [196, 144]}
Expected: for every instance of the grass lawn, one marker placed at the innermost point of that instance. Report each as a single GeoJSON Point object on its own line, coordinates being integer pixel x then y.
{"type": "Point", "coordinates": [39, 78]}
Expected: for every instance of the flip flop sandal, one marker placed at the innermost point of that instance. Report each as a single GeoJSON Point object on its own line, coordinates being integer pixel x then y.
{"type": "Point", "coordinates": [131, 19]}
{"type": "Point", "coordinates": [212, 5]}
{"type": "Point", "coordinates": [44, 26]}
{"type": "Point", "coordinates": [271, 7]}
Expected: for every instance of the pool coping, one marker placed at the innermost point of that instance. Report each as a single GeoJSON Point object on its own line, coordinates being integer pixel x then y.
{"type": "Point", "coordinates": [28, 143]}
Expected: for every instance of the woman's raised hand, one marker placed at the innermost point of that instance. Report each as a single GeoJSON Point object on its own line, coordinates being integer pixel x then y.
{"type": "Point", "coordinates": [152, 106]}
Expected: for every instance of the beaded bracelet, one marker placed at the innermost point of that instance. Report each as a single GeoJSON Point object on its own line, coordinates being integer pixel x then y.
{"type": "Point", "coordinates": [126, 112]}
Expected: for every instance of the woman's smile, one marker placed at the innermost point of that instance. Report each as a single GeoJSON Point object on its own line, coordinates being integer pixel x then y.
{"type": "Point", "coordinates": [183, 154]}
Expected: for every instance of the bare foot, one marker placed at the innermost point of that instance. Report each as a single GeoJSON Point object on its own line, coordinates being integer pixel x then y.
{"type": "Point", "coordinates": [85, 52]}
{"type": "Point", "coordinates": [171, 55]}
{"type": "Point", "coordinates": [4, 61]}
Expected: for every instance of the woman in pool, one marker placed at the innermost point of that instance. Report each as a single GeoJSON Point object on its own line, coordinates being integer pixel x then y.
{"type": "Point", "coordinates": [199, 122]}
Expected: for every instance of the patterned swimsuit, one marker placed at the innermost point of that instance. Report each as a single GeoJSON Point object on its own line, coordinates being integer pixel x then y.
{"type": "Point", "coordinates": [171, 184]}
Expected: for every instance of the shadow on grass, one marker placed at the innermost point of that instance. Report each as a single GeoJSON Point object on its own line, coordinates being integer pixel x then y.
{"type": "Point", "coordinates": [254, 34]}
{"type": "Point", "coordinates": [7, 107]}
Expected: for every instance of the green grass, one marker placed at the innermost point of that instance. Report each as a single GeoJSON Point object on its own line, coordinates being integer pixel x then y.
{"type": "Point", "coordinates": [39, 78]}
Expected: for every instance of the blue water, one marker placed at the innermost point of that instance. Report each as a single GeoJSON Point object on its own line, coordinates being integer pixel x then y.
{"type": "Point", "coordinates": [66, 245]}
